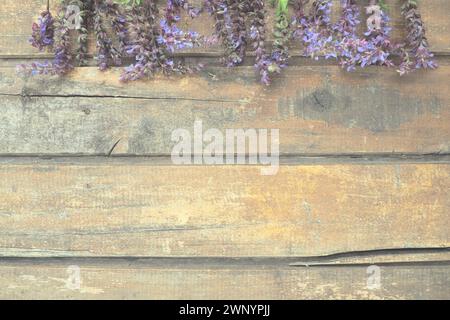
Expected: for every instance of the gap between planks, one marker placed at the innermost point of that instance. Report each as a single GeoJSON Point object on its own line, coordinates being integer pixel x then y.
{"type": "Point", "coordinates": [138, 280]}
{"type": "Point", "coordinates": [386, 257]}
{"type": "Point", "coordinates": [285, 159]}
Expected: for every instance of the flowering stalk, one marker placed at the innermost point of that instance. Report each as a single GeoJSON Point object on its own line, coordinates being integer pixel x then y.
{"type": "Point", "coordinates": [415, 52]}
{"type": "Point", "coordinates": [257, 15]}
{"type": "Point", "coordinates": [43, 31]}
{"type": "Point", "coordinates": [237, 32]}
{"type": "Point", "coordinates": [300, 21]}
{"type": "Point", "coordinates": [282, 34]}
{"type": "Point", "coordinates": [82, 50]}
{"type": "Point", "coordinates": [143, 44]}
{"type": "Point", "coordinates": [318, 31]}
{"type": "Point", "coordinates": [62, 62]}
{"type": "Point", "coordinates": [230, 28]}
{"type": "Point", "coordinates": [378, 48]}
{"type": "Point", "coordinates": [119, 26]}
{"type": "Point", "coordinates": [104, 43]}
{"type": "Point", "coordinates": [174, 7]}
{"type": "Point", "coordinates": [348, 44]}
{"type": "Point", "coordinates": [152, 41]}
{"type": "Point", "coordinates": [171, 36]}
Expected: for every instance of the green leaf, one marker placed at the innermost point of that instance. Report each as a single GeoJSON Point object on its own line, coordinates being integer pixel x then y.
{"type": "Point", "coordinates": [282, 7]}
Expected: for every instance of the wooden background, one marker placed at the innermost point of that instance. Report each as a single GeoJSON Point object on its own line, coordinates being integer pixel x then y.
{"type": "Point", "coordinates": [364, 179]}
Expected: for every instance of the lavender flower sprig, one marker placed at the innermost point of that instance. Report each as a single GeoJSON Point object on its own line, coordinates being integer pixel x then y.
{"type": "Point", "coordinates": [104, 43]}
{"type": "Point", "coordinates": [238, 33]}
{"type": "Point", "coordinates": [171, 36]}
{"type": "Point", "coordinates": [43, 31]}
{"type": "Point", "coordinates": [317, 35]}
{"type": "Point", "coordinates": [85, 14]}
{"type": "Point", "coordinates": [257, 15]}
{"type": "Point", "coordinates": [375, 48]}
{"type": "Point", "coordinates": [218, 9]}
{"type": "Point", "coordinates": [143, 45]}
{"type": "Point", "coordinates": [175, 39]}
{"type": "Point", "coordinates": [174, 7]}
{"type": "Point", "coordinates": [62, 62]}
{"type": "Point", "coordinates": [415, 52]}
{"type": "Point", "coordinates": [300, 20]}
{"type": "Point", "coordinates": [348, 45]}
{"type": "Point", "coordinates": [230, 27]}
{"type": "Point", "coordinates": [279, 57]}
{"type": "Point", "coordinates": [378, 49]}
{"type": "Point", "coordinates": [152, 40]}
{"type": "Point", "coordinates": [118, 23]}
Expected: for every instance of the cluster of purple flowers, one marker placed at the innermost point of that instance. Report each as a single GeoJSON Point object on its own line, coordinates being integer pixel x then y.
{"type": "Point", "coordinates": [62, 62]}
{"type": "Point", "coordinates": [348, 45]}
{"type": "Point", "coordinates": [230, 24]}
{"type": "Point", "coordinates": [257, 15]}
{"type": "Point", "coordinates": [268, 64]}
{"type": "Point", "coordinates": [119, 26]}
{"type": "Point", "coordinates": [415, 52]}
{"type": "Point", "coordinates": [316, 32]}
{"type": "Point", "coordinates": [43, 31]}
{"type": "Point", "coordinates": [174, 38]}
{"type": "Point", "coordinates": [140, 33]}
{"type": "Point", "coordinates": [149, 37]}
{"type": "Point", "coordinates": [378, 48]}
{"type": "Point", "coordinates": [341, 41]}
{"type": "Point", "coordinates": [173, 9]}
{"type": "Point", "coordinates": [152, 40]}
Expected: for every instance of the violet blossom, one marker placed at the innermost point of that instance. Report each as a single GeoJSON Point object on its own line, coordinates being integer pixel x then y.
{"type": "Point", "coordinates": [62, 62]}
{"type": "Point", "coordinates": [43, 31]}
{"type": "Point", "coordinates": [378, 49]}
{"type": "Point", "coordinates": [258, 36]}
{"type": "Point", "coordinates": [415, 52]}
{"type": "Point", "coordinates": [316, 32]}
{"type": "Point", "coordinates": [348, 45]}
{"type": "Point", "coordinates": [151, 42]}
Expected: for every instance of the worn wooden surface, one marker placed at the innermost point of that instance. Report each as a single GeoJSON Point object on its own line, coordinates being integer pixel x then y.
{"type": "Point", "coordinates": [364, 179]}
{"type": "Point", "coordinates": [218, 280]}
{"type": "Point", "coordinates": [317, 109]}
{"type": "Point", "coordinates": [134, 209]}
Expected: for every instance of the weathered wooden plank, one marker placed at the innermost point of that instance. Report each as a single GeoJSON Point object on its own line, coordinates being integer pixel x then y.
{"type": "Point", "coordinates": [184, 280]}
{"type": "Point", "coordinates": [318, 110]}
{"type": "Point", "coordinates": [129, 208]}
{"type": "Point", "coordinates": [17, 19]}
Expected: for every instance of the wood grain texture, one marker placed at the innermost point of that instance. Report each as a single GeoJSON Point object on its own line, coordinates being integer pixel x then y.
{"type": "Point", "coordinates": [18, 16]}
{"type": "Point", "coordinates": [182, 280]}
{"type": "Point", "coordinates": [318, 110]}
{"type": "Point", "coordinates": [130, 208]}
{"type": "Point", "coordinates": [337, 217]}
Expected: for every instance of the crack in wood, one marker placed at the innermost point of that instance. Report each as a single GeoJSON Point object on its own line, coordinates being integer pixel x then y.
{"type": "Point", "coordinates": [395, 258]}
{"type": "Point", "coordinates": [27, 95]}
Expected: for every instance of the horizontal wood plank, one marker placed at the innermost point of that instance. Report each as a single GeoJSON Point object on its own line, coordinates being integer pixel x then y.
{"type": "Point", "coordinates": [318, 110]}
{"type": "Point", "coordinates": [129, 208]}
{"type": "Point", "coordinates": [19, 14]}
{"type": "Point", "coordinates": [182, 280]}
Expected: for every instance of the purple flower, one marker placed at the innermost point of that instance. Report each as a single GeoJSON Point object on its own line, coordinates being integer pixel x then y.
{"type": "Point", "coordinates": [316, 31]}
{"type": "Point", "coordinates": [153, 39]}
{"type": "Point", "coordinates": [43, 31]}
{"type": "Point", "coordinates": [415, 51]}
